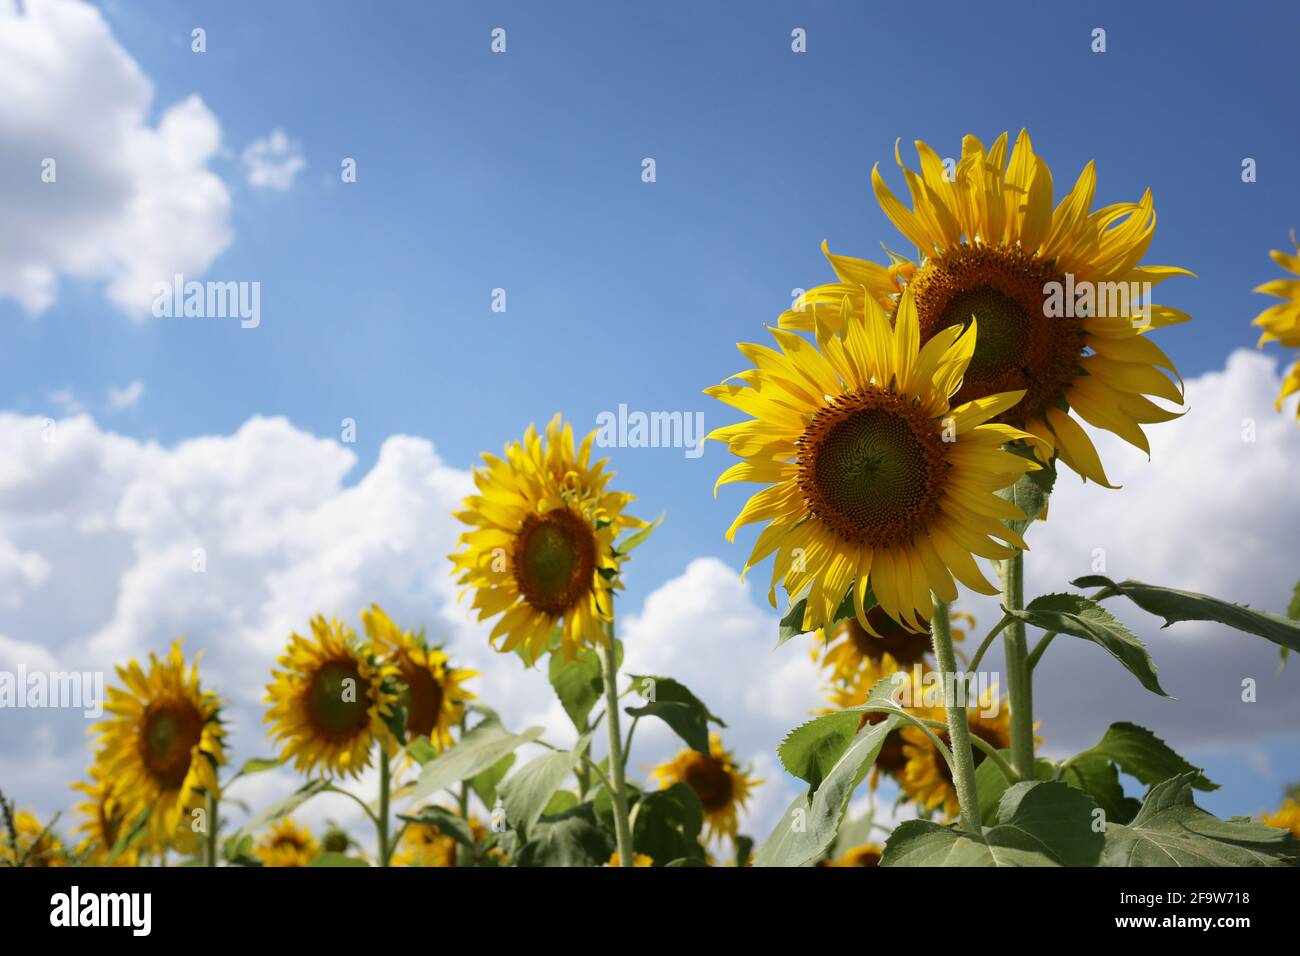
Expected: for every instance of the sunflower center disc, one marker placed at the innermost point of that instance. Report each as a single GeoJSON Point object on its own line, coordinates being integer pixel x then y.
{"type": "Point", "coordinates": [555, 557]}
{"type": "Point", "coordinates": [1002, 339]}
{"type": "Point", "coordinates": [870, 466]}
{"type": "Point", "coordinates": [171, 731]}
{"type": "Point", "coordinates": [710, 781]}
{"type": "Point", "coordinates": [340, 699]}
{"type": "Point", "coordinates": [1018, 345]}
{"type": "Point", "coordinates": [422, 699]}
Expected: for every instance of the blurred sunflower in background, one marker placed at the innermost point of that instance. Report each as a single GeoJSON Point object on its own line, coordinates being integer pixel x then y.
{"type": "Point", "coordinates": [872, 478]}
{"type": "Point", "coordinates": [868, 854]}
{"type": "Point", "coordinates": [638, 860]}
{"type": "Point", "coordinates": [858, 658]}
{"type": "Point", "coordinates": [433, 694]}
{"type": "Point", "coordinates": [1281, 321]}
{"type": "Point", "coordinates": [722, 786]}
{"type": "Point", "coordinates": [925, 778]}
{"type": "Point", "coordinates": [34, 846]}
{"type": "Point", "coordinates": [163, 743]}
{"type": "Point", "coordinates": [329, 701]}
{"type": "Point", "coordinates": [286, 844]}
{"type": "Point", "coordinates": [993, 248]}
{"type": "Point", "coordinates": [105, 816]}
{"type": "Point", "coordinates": [541, 550]}
{"type": "Point", "coordinates": [423, 844]}
{"type": "Point", "coordinates": [1287, 816]}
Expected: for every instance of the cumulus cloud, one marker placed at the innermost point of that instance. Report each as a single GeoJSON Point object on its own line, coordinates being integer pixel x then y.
{"type": "Point", "coordinates": [273, 161]}
{"type": "Point", "coordinates": [125, 397]}
{"type": "Point", "coordinates": [89, 187]}
{"type": "Point", "coordinates": [111, 547]}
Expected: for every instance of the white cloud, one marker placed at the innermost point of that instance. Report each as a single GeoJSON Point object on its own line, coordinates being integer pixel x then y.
{"type": "Point", "coordinates": [273, 161]}
{"type": "Point", "coordinates": [65, 399]}
{"type": "Point", "coordinates": [131, 203]}
{"type": "Point", "coordinates": [123, 398]}
{"type": "Point", "coordinates": [98, 535]}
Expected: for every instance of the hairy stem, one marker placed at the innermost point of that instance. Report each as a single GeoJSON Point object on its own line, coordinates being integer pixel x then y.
{"type": "Point", "coordinates": [622, 831]}
{"type": "Point", "coordinates": [963, 759]}
{"type": "Point", "coordinates": [1020, 688]}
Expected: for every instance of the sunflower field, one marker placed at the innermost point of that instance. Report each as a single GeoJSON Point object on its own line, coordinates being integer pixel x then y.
{"type": "Point", "coordinates": [902, 426]}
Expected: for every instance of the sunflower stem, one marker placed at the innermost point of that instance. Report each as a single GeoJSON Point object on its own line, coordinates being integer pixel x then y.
{"type": "Point", "coordinates": [1019, 682]}
{"type": "Point", "coordinates": [963, 759]}
{"type": "Point", "coordinates": [381, 821]}
{"type": "Point", "coordinates": [211, 841]}
{"type": "Point", "coordinates": [622, 832]}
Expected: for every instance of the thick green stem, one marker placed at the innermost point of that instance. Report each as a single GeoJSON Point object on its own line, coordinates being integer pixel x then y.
{"type": "Point", "coordinates": [210, 845]}
{"type": "Point", "coordinates": [1020, 688]}
{"type": "Point", "coordinates": [622, 832]}
{"type": "Point", "coordinates": [381, 823]}
{"type": "Point", "coordinates": [963, 759]}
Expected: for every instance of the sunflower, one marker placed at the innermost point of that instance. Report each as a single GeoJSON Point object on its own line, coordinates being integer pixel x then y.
{"type": "Point", "coordinates": [163, 744]}
{"type": "Point", "coordinates": [638, 859]}
{"type": "Point", "coordinates": [1059, 295]}
{"type": "Point", "coordinates": [872, 477]}
{"type": "Point", "coordinates": [330, 701]}
{"type": "Point", "coordinates": [723, 788]}
{"type": "Point", "coordinates": [423, 844]}
{"type": "Point", "coordinates": [858, 658]}
{"type": "Point", "coordinates": [1281, 322]}
{"type": "Point", "coordinates": [34, 845]}
{"type": "Point", "coordinates": [104, 814]}
{"type": "Point", "coordinates": [432, 695]}
{"type": "Point", "coordinates": [1287, 816]}
{"type": "Point", "coordinates": [868, 854]}
{"type": "Point", "coordinates": [286, 844]}
{"type": "Point", "coordinates": [541, 553]}
{"type": "Point", "coordinates": [925, 778]}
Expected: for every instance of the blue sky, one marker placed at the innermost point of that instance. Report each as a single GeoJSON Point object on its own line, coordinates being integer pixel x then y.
{"type": "Point", "coordinates": [522, 171]}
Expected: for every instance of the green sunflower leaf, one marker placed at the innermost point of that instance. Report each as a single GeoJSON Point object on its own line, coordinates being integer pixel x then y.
{"type": "Point", "coordinates": [1171, 830]}
{"type": "Point", "coordinates": [254, 765]}
{"type": "Point", "coordinates": [792, 623]}
{"type": "Point", "coordinates": [1293, 609]}
{"type": "Point", "coordinates": [811, 750]}
{"type": "Point", "coordinates": [485, 744]}
{"type": "Point", "coordinates": [990, 784]}
{"type": "Point", "coordinates": [578, 683]}
{"type": "Point", "coordinates": [666, 824]}
{"type": "Point", "coordinates": [638, 537]}
{"type": "Point", "coordinates": [1174, 606]}
{"type": "Point", "coordinates": [1083, 617]}
{"type": "Point", "coordinates": [675, 705]}
{"type": "Point", "coordinates": [1030, 492]}
{"type": "Point", "coordinates": [811, 822]}
{"type": "Point", "coordinates": [1140, 753]}
{"type": "Point", "coordinates": [484, 783]}
{"type": "Point", "coordinates": [1096, 776]}
{"type": "Point", "coordinates": [530, 788]}
{"type": "Point", "coordinates": [570, 839]}
{"type": "Point", "coordinates": [1038, 824]}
